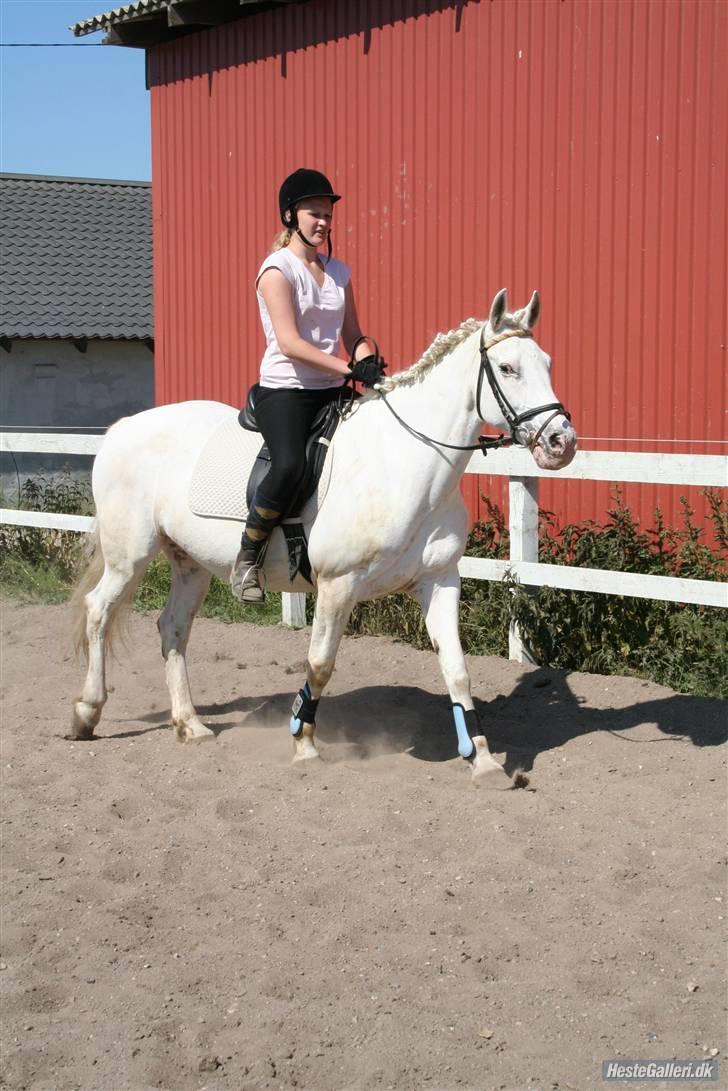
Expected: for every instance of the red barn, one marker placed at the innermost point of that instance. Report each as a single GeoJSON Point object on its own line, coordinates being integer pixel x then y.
{"type": "Point", "coordinates": [577, 146]}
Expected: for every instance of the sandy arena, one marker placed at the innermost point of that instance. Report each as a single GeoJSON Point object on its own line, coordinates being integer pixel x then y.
{"type": "Point", "coordinates": [189, 917]}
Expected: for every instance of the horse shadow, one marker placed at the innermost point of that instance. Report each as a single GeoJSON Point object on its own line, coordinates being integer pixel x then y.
{"type": "Point", "coordinates": [540, 714]}
{"type": "Point", "coordinates": [543, 713]}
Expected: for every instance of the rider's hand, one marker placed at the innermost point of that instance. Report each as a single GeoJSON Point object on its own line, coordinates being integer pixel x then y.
{"type": "Point", "coordinates": [369, 370]}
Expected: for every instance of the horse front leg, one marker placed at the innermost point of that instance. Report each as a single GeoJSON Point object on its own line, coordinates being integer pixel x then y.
{"type": "Point", "coordinates": [334, 603]}
{"type": "Point", "coordinates": [439, 598]}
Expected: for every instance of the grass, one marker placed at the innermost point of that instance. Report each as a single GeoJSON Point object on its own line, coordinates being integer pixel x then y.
{"type": "Point", "coordinates": [219, 602]}
{"type": "Point", "coordinates": [27, 581]}
{"type": "Point", "coordinates": [682, 646]}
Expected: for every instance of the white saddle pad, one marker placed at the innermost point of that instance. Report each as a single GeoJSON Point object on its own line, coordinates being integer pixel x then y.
{"type": "Point", "coordinates": [220, 478]}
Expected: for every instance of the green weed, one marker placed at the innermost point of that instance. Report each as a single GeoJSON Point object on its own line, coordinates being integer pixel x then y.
{"type": "Point", "coordinates": [219, 603]}
{"type": "Point", "coordinates": [682, 646]}
{"type": "Point", "coordinates": [36, 564]}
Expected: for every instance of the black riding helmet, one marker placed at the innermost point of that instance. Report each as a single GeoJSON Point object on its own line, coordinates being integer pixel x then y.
{"type": "Point", "coordinates": [299, 186]}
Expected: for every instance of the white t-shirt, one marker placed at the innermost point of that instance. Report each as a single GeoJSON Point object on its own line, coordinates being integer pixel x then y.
{"type": "Point", "coordinates": [319, 317]}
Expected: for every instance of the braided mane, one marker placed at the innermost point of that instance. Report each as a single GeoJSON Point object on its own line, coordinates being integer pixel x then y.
{"type": "Point", "coordinates": [431, 357]}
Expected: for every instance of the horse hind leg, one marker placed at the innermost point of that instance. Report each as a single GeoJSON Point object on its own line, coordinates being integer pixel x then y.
{"type": "Point", "coordinates": [189, 586]}
{"type": "Point", "coordinates": [100, 609]}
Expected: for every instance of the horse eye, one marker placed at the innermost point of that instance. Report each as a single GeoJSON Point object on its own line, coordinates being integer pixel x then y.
{"type": "Point", "coordinates": [506, 369]}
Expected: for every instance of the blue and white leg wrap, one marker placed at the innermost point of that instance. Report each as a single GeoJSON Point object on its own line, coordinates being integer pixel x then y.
{"type": "Point", "coordinates": [304, 711]}
{"type": "Point", "coordinates": [466, 725]}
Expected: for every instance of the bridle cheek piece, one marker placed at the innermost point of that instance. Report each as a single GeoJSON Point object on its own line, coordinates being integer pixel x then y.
{"type": "Point", "coordinates": [513, 420]}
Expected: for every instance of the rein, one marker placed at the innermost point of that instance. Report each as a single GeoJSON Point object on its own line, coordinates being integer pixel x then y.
{"type": "Point", "coordinates": [513, 420]}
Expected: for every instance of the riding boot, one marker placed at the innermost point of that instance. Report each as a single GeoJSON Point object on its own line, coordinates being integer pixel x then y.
{"type": "Point", "coordinates": [246, 575]}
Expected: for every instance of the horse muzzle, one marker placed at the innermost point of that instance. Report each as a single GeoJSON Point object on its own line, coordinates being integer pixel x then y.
{"type": "Point", "coordinates": [556, 446]}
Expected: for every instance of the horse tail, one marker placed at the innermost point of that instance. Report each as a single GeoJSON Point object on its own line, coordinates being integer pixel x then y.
{"type": "Point", "coordinates": [118, 608]}
{"type": "Point", "coordinates": [86, 582]}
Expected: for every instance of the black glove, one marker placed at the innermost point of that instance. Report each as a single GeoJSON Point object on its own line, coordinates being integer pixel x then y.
{"type": "Point", "coordinates": [369, 370]}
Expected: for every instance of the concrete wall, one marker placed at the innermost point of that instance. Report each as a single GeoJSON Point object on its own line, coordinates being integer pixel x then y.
{"type": "Point", "coordinates": [50, 384]}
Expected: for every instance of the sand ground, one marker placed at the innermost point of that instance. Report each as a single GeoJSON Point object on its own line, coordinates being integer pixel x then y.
{"type": "Point", "coordinates": [189, 917]}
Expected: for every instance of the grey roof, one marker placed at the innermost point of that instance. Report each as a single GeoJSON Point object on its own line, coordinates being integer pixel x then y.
{"type": "Point", "coordinates": [144, 23]}
{"type": "Point", "coordinates": [122, 14]}
{"type": "Point", "coordinates": [76, 257]}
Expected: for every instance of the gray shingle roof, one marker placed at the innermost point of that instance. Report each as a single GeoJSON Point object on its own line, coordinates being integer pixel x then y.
{"type": "Point", "coordinates": [76, 257]}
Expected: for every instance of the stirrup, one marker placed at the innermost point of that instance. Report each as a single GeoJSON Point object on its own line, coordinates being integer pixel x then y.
{"type": "Point", "coordinates": [246, 582]}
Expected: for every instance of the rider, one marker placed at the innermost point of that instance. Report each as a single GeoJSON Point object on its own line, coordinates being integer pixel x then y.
{"type": "Point", "coordinates": [306, 307]}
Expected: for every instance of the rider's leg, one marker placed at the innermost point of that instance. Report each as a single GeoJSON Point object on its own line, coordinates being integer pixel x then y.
{"type": "Point", "coordinates": [245, 578]}
{"type": "Point", "coordinates": [284, 417]}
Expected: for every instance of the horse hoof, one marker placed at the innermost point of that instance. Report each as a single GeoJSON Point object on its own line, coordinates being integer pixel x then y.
{"type": "Point", "coordinates": [84, 720]}
{"type": "Point", "coordinates": [493, 779]}
{"type": "Point", "coordinates": [487, 773]}
{"type": "Point", "coordinates": [304, 748]}
{"type": "Point", "coordinates": [305, 751]}
{"type": "Point", "coordinates": [195, 732]}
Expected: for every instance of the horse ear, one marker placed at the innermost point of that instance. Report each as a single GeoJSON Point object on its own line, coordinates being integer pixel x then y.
{"type": "Point", "coordinates": [498, 308]}
{"type": "Point", "coordinates": [532, 311]}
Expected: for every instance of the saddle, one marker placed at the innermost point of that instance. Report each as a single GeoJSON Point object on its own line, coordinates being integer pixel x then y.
{"type": "Point", "coordinates": [324, 425]}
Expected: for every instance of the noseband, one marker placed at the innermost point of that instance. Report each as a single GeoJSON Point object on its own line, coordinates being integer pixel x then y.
{"type": "Point", "coordinates": [513, 420]}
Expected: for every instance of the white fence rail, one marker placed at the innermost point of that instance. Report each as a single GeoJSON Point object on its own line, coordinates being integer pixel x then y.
{"type": "Point", "coordinates": [663, 469]}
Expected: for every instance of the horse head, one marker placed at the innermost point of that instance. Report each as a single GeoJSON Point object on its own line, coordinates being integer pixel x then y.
{"type": "Point", "coordinates": [517, 395]}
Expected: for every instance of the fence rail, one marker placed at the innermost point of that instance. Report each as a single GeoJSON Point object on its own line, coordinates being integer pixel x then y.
{"type": "Point", "coordinates": [522, 564]}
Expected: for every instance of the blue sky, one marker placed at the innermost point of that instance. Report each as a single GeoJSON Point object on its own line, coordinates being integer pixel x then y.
{"type": "Point", "coordinates": [81, 112]}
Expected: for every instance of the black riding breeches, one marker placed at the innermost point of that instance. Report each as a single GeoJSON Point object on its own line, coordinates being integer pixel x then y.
{"type": "Point", "coordinates": [285, 417]}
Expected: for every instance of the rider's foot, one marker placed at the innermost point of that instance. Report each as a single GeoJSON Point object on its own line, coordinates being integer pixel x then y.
{"type": "Point", "coordinates": [246, 577]}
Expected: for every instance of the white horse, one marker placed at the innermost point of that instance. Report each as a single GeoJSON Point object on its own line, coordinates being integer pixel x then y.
{"type": "Point", "coordinates": [392, 518]}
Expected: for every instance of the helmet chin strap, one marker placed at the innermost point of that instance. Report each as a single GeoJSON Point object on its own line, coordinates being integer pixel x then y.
{"type": "Point", "coordinates": [294, 224]}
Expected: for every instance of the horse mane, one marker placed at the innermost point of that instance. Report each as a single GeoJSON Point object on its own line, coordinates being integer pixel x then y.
{"type": "Point", "coordinates": [431, 357]}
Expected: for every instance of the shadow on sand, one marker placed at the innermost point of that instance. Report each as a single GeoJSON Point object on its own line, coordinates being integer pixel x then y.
{"type": "Point", "coordinates": [541, 713]}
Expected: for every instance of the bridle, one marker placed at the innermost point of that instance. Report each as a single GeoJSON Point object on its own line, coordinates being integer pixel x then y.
{"type": "Point", "coordinates": [513, 420]}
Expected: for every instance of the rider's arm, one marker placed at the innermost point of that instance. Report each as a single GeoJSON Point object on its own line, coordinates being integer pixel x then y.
{"type": "Point", "coordinates": [351, 329]}
{"type": "Point", "coordinates": [276, 292]}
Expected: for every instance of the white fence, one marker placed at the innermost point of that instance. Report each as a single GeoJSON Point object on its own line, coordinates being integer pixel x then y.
{"type": "Point", "coordinates": [522, 564]}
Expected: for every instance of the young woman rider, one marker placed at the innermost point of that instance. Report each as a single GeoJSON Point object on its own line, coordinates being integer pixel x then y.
{"type": "Point", "coordinates": [307, 309]}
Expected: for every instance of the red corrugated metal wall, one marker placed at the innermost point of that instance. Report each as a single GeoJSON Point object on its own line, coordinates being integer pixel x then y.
{"type": "Point", "coordinates": [577, 146]}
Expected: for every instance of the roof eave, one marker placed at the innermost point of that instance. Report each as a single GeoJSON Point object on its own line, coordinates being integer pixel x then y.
{"type": "Point", "coordinates": [144, 24]}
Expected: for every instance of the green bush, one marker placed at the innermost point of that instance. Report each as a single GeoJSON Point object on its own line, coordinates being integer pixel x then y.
{"type": "Point", "coordinates": [40, 564]}
{"type": "Point", "coordinates": [685, 647]}
{"type": "Point", "coordinates": [679, 645]}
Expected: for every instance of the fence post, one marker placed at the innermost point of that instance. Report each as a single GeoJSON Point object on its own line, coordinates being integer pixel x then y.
{"type": "Point", "coordinates": [293, 608]}
{"type": "Point", "coordinates": [523, 529]}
